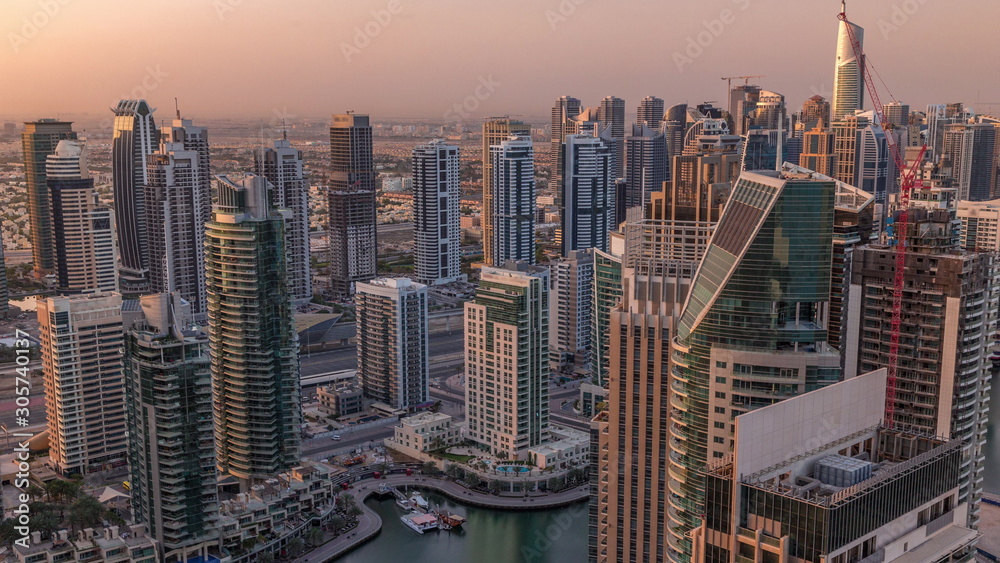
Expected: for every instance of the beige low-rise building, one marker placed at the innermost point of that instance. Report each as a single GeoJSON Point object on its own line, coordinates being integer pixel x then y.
{"type": "Point", "coordinates": [425, 432]}
{"type": "Point", "coordinates": [102, 545]}
{"type": "Point", "coordinates": [343, 399]}
{"type": "Point", "coordinates": [568, 448]}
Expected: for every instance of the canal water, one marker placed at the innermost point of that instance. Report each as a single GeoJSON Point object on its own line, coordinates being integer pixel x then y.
{"type": "Point", "coordinates": [489, 536]}
{"type": "Point", "coordinates": [991, 478]}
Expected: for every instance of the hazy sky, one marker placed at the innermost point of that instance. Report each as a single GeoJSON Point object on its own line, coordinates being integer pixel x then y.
{"type": "Point", "coordinates": [309, 58]}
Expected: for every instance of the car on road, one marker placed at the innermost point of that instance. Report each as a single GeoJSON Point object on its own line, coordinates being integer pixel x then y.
{"type": "Point", "coordinates": [336, 437]}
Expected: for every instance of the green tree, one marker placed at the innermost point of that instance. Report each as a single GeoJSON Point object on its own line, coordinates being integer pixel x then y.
{"type": "Point", "coordinates": [337, 522]}
{"type": "Point", "coordinates": [265, 557]}
{"type": "Point", "coordinates": [495, 486]}
{"type": "Point", "coordinates": [35, 492]}
{"type": "Point", "coordinates": [429, 468]}
{"type": "Point", "coordinates": [296, 546]}
{"type": "Point", "coordinates": [354, 510]}
{"type": "Point", "coordinates": [7, 532]}
{"type": "Point", "coordinates": [86, 512]}
{"type": "Point", "coordinates": [473, 480]}
{"type": "Point", "coordinates": [314, 536]}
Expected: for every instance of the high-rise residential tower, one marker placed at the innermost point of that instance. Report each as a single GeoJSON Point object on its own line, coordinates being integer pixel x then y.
{"type": "Point", "coordinates": [168, 404]}
{"type": "Point", "coordinates": [742, 104]}
{"type": "Point", "coordinates": [513, 196]}
{"type": "Point", "coordinates": [495, 131]}
{"type": "Point", "coordinates": [38, 141]}
{"type": "Point", "coordinates": [612, 113]}
{"type": "Point", "coordinates": [646, 168]}
{"type": "Point", "coordinates": [571, 309]}
{"type": "Point", "coordinates": [507, 360]}
{"type": "Point", "coordinates": [82, 234]}
{"type": "Point", "coordinates": [848, 82]}
{"type": "Point", "coordinates": [969, 148]}
{"type": "Point", "coordinates": [392, 341]}
{"type": "Point", "coordinates": [661, 254]}
{"type": "Point", "coordinates": [135, 138]}
{"type": "Point", "coordinates": [814, 109]}
{"type": "Point", "coordinates": [253, 344]}
{"type": "Point", "coordinates": [564, 111]}
{"type": "Point", "coordinates": [283, 167]}
{"type": "Point", "coordinates": [942, 377]}
{"type": "Point", "coordinates": [436, 231]}
{"type": "Point", "coordinates": [819, 150]}
{"type": "Point", "coordinates": [650, 112]}
{"type": "Point", "coordinates": [81, 341]}
{"type": "Point", "coordinates": [587, 197]}
{"type": "Point", "coordinates": [178, 200]}
{"type": "Point", "coordinates": [4, 291]}
{"type": "Point", "coordinates": [753, 329]}
{"type": "Point", "coordinates": [353, 229]}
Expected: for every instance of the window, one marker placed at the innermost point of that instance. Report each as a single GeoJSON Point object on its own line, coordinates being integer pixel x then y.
{"type": "Point", "coordinates": [720, 410]}
{"type": "Point", "coordinates": [721, 380]}
{"type": "Point", "coordinates": [720, 365]}
{"type": "Point", "coordinates": [720, 425]}
{"type": "Point", "coordinates": [720, 395]}
{"type": "Point", "coordinates": [719, 440]}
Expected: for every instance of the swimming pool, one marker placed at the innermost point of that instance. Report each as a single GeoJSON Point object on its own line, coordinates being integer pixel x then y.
{"type": "Point", "coordinates": [513, 469]}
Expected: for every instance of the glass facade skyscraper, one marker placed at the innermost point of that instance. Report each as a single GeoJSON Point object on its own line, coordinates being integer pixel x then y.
{"type": "Point", "coordinates": [135, 137]}
{"type": "Point", "coordinates": [754, 328]}
{"type": "Point", "coordinates": [38, 141]}
{"type": "Point", "coordinates": [254, 346]}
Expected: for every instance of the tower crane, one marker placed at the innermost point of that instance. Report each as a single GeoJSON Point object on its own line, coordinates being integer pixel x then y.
{"type": "Point", "coordinates": [907, 182]}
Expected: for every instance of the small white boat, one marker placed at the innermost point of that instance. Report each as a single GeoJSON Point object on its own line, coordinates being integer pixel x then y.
{"type": "Point", "coordinates": [418, 501]}
{"type": "Point", "coordinates": [420, 523]}
{"type": "Point", "coordinates": [404, 504]}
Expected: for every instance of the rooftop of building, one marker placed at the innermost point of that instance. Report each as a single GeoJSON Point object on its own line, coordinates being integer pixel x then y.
{"type": "Point", "coordinates": [826, 478]}
{"type": "Point", "coordinates": [425, 418]}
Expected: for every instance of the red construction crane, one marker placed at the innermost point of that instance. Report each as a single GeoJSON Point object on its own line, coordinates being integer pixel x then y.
{"type": "Point", "coordinates": [907, 182]}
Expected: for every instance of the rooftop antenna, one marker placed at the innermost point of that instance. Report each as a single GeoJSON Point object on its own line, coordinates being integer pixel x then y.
{"type": "Point", "coordinates": [177, 108]}
{"type": "Point", "coordinates": [284, 131]}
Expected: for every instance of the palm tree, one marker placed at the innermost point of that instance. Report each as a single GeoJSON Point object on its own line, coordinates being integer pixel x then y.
{"type": "Point", "coordinates": [314, 536]}
{"type": "Point", "coordinates": [345, 500]}
{"type": "Point", "coordinates": [337, 522]}
{"type": "Point", "coordinates": [429, 468]}
{"type": "Point", "coordinates": [86, 512]}
{"type": "Point", "coordinates": [265, 557]}
{"type": "Point", "coordinates": [354, 510]}
{"type": "Point", "coordinates": [296, 546]}
{"type": "Point", "coordinates": [34, 491]}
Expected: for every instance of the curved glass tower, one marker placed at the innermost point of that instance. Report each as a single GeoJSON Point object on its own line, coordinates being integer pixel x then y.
{"type": "Point", "coordinates": [753, 330]}
{"type": "Point", "coordinates": [848, 84]}
{"type": "Point", "coordinates": [254, 347]}
{"type": "Point", "coordinates": [135, 138]}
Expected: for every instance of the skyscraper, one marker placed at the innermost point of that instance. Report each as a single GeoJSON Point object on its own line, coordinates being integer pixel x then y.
{"type": "Point", "coordinates": [38, 141]}
{"type": "Point", "coordinates": [770, 111]}
{"type": "Point", "coordinates": [814, 109]}
{"type": "Point", "coordinates": [283, 167]}
{"type": "Point", "coordinates": [135, 138]}
{"type": "Point", "coordinates": [436, 233]}
{"type": "Point", "coordinates": [674, 126]}
{"type": "Point", "coordinates": [178, 200]}
{"type": "Point", "coordinates": [898, 114]}
{"type": "Point", "coordinates": [571, 309]}
{"type": "Point", "coordinates": [82, 234]}
{"type": "Point", "coordinates": [819, 150]}
{"type": "Point", "coordinates": [848, 83]}
{"type": "Point", "coordinates": [513, 196]}
{"type": "Point", "coordinates": [392, 341]}
{"type": "Point", "coordinates": [662, 252]}
{"type": "Point", "coordinates": [737, 347]}
{"type": "Point", "coordinates": [353, 228]}
{"type": "Point", "coordinates": [646, 168]}
{"type": "Point", "coordinates": [587, 197]}
{"type": "Point", "coordinates": [495, 131]}
{"type": "Point", "coordinates": [168, 405]}
{"type": "Point", "coordinates": [969, 149]}
{"type": "Point", "coordinates": [650, 112]}
{"type": "Point", "coordinates": [565, 109]}
{"type": "Point", "coordinates": [942, 380]}
{"type": "Point", "coordinates": [81, 339]}
{"type": "Point", "coordinates": [507, 360]}
{"type": "Point", "coordinates": [607, 291]}
{"type": "Point", "coordinates": [612, 112]}
{"type": "Point", "coordinates": [254, 347]}
{"type": "Point", "coordinates": [742, 104]}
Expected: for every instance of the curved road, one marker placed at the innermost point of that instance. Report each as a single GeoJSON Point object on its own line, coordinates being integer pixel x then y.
{"type": "Point", "coordinates": [369, 523]}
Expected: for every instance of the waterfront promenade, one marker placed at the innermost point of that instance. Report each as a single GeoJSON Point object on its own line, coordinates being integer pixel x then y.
{"type": "Point", "coordinates": [369, 523]}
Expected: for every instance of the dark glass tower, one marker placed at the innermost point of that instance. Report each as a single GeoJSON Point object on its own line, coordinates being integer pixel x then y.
{"type": "Point", "coordinates": [135, 138]}
{"type": "Point", "coordinates": [38, 141]}
{"type": "Point", "coordinates": [353, 229]}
